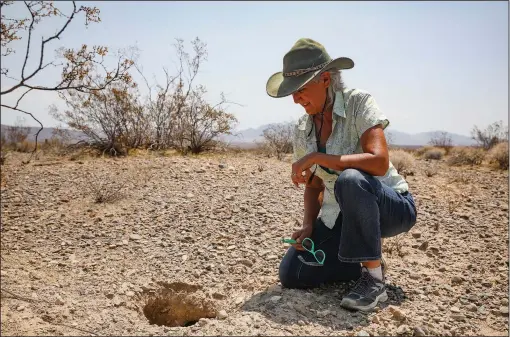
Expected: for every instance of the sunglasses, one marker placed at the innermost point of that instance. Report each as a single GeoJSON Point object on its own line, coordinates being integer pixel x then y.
{"type": "Point", "coordinates": [309, 246]}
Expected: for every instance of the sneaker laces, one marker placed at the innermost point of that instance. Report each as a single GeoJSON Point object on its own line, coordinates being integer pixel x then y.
{"type": "Point", "coordinates": [363, 285]}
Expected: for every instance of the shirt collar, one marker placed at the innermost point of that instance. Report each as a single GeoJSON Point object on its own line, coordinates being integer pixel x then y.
{"type": "Point", "coordinates": [338, 109]}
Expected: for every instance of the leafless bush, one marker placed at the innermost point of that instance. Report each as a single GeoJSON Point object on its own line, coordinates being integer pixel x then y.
{"type": "Point", "coordinates": [466, 156]}
{"type": "Point", "coordinates": [105, 189]}
{"type": "Point", "coordinates": [17, 133]}
{"type": "Point", "coordinates": [442, 140]}
{"type": "Point", "coordinates": [82, 70]}
{"type": "Point", "coordinates": [111, 118]}
{"type": "Point", "coordinates": [434, 153]}
{"type": "Point", "coordinates": [499, 155]}
{"type": "Point", "coordinates": [402, 160]}
{"type": "Point", "coordinates": [279, 139]}
{"type": "Point", "coordinates": [492, 135]}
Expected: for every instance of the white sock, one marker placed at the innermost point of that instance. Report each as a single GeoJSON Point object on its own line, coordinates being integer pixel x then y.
{"type": "Point", "coordinates": [376, 273]}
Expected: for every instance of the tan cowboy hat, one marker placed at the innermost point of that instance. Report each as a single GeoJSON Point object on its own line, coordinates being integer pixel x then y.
{"type": "Point", "coordinates": [303, 62]}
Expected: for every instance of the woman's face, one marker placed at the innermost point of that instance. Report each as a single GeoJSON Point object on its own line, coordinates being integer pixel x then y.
{"type": "Point", "coordinates": [312, 96]}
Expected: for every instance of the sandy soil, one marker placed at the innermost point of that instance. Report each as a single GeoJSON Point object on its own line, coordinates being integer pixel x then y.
{"type": "Point", "coordinates": [199, 237]}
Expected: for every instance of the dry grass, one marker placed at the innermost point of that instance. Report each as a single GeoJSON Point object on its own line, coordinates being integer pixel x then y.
{"type": "Point", "coordinates": [402, 160]}
{"type": "Point", "coordinates": [466, 156]}
{"type": "Point", "coordinates": [105, 189]}
{"type": "Point", "coordinates": [498, 155]}
{"type": "Point", "coordinates": [434, 153]}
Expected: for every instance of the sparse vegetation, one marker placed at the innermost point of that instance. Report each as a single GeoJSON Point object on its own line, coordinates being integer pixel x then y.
{"type": "Point", "coordinates": [402, 160]}
{"type": "Point", "coordinates": [442, 140]}
{"type": "Point", "coordinates": [82, 70]}
{"type": "Point", "coordinates": [466, 156]}
{"type": "Point", "coordinates": [278, 139]}
{"type": "Point", "coordinates": [491, 136]}
{"type": "Point", "coordinates": [498, 155]}
{"type": "Point", "coordinates": [434, 153]}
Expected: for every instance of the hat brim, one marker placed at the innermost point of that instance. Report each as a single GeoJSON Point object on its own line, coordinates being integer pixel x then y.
{"type": "Point", "coordinates": [280, 86]}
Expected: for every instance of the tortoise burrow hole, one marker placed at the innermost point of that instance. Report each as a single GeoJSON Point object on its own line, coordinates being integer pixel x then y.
{"type": "Point", "coordinates": [177, 305]}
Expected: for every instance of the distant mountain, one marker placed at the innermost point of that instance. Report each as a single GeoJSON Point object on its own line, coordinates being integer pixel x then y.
{"type": "Point", "coordinates": [248, 137]}
{"type": "Point", "coordinates": [243, 137]}
{"type": "Point", "coordinates": [46, 133]}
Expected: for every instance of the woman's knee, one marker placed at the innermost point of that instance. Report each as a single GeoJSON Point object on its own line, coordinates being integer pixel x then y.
{"type": "Point", "coordinates": [349, 181]}
{"type": "Point", "coordinates": [287, 273]}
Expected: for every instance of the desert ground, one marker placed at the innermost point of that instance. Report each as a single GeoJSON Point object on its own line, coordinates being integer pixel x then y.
{"type": "Point", "coordinates": [194, 241]}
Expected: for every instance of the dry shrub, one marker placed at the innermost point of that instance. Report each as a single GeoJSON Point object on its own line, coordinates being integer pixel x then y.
{"type": "Point", "coordinates": [421, 151]}
{"type": "Point", "coordinates": [401, 159]}
{"type": "Point", "coordinates": [105, 189]}
{"type": "Point", "coordinates": [499, 155]}
{"type": "Point", "coordinates": [466, 156]}
{"type": "Point", "coordinates": [434, 153]}
{"type": "Point", "coordinates": [430, 171]}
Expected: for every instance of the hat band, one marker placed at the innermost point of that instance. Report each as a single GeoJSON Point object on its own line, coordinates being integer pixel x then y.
{"type": "Point", "coordinates": [299, 72]}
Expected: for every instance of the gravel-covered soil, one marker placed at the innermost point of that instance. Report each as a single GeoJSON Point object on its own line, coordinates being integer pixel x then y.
{"type": "Point", "coordinates": [192, 237]}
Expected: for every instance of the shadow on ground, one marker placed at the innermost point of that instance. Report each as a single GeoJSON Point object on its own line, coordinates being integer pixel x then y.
{"type": "Point", "coordinates": [319, 306]}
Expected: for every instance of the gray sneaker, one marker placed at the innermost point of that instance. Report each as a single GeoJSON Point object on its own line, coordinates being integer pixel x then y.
{"type": "Point", "coordinates": [366, 293]}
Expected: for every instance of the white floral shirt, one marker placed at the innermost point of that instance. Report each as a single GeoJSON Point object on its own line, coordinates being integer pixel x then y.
{"type": "Point", "coordinates": [354, 111]}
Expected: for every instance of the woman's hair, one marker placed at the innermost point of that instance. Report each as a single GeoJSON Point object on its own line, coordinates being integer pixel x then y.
{"type": "Point", "coordinates": [336, 84]}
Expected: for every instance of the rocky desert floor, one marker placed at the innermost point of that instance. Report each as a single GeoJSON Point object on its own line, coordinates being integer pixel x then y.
{"type": "Point", "coordinates": [194, 241]}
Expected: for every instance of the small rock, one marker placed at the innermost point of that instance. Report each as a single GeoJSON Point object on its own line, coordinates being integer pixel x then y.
{"type": "Point", "coordinates": [323, 313]}
{"type": "Point", "coordinates": [362, 333]}
{"type": "Point", "coordinates": [416, 235]}
{"type": "Point", "coordinates": [402, 329]}
{"type": "Point", "coordinates": [415, 276]}
{"type": "Point", "coordinates": [398, 314]}
{"type": "Point", "coordinates": [222, 314]}
{"type": "Point", "coordinates": [418, 331]}
{"type": "Point", "coordinates": [442, 269]}
{"type": "Point", "coordinates": [301, 322]}
{"type": "Point", "coordinates": [222, 166]}
{"type": "Point", "coordinates": [135, 237]}
{"type": "Point", "coordinates": [504, 301]}
{"type": "Point", "coordinates": [246, 262]}
{"type": "Point", "coordinates": [457, 279]}
{"type": "Point", "coordinates": [424, 246]}
{"type": "Point", "coordinates": [472, 307]}
{"type": "Point", "coordinates": [455, 309]}
{"type": "Point", "coordinates": [239, 300]}
{"type": "Point", "coordinates": [229, 197]}
{"type": "Point", "coordinates": [200, 170]}
{"type": "Point", "coordinates": [275, 299]}
{"type": "Point", "coordinates": [130, 293]}
{"type": "Point", "coordinates": [503, 311]}
{"type": "Point", "coordinates": [190, 195]}
{"type": "Point", "coordinates": [184, 257]}
{"type": "Point", "coordinates": [458, 317]}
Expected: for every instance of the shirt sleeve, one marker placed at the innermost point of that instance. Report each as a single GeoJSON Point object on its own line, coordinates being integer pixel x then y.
{"type": "Point", "coordinates": [368, 114]}
{"type": "Point", "coordinates": [298, 143]}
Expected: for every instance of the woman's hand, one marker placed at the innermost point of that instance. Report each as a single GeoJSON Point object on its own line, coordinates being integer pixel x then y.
{"type": "Point", "coordinates": [300, 235]}
{"type": "Point", "coordinates": [299, 166]}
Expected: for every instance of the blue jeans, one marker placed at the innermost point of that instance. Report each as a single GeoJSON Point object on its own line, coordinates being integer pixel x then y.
{"type": "Point", "coordinates": [370, 211]}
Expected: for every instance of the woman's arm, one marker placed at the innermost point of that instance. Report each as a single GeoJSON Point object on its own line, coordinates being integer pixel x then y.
{"type": "Point", "coordinates": [312, 203]}
{"type": "Point", "coordinates": [375, 159]}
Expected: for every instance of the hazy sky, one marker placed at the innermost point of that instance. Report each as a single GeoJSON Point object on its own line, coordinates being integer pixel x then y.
{"type": "Point", "coordinates": [429, 65]}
